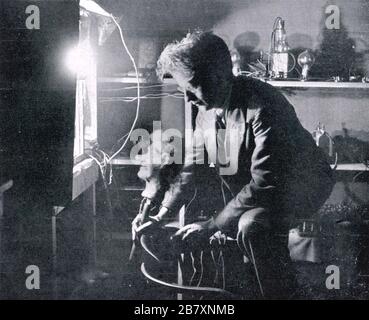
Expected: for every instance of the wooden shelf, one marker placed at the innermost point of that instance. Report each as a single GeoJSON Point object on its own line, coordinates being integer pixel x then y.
{"type": "Point", "coordinates": [340, 167]}
{"type": "Point", "coordinates": [352, 167]}
{"type": "Point", "coordinates": [317, 84]}
{"type": "Point", "coordinates": [121, 161]}
{"type": "Point", "coordinates": [85, 174]}
{"type": "Point", "coordinates": [275, 83]}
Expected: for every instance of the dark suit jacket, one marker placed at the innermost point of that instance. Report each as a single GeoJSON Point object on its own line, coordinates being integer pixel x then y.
{"type": "Point", "coordinates": [274, 161]}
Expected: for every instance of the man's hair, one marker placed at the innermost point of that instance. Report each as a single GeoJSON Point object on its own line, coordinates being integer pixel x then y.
{"type": "Point", "coordinates": [198, 51]}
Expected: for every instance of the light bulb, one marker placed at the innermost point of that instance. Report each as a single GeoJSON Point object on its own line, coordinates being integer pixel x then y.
{"type": "Point", "coordinates": [305, 60]}
{"type": "Point", "coordinates": [78, 60]}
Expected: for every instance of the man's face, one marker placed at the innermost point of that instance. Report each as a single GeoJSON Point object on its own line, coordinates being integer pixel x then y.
{"type": "Point", "coordinates": [202, 91]}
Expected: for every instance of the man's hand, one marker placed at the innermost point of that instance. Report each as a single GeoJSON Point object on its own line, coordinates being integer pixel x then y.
{"type": "Point", "coordinates": [201, 228]}
{"type": "Point", "coordinates": [161, 214]}
{"type": "Point", "coordinates": [138, 226]}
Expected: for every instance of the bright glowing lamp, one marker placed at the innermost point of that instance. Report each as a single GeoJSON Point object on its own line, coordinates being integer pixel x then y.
{"type": "Point", "coordinates": [79, 60]}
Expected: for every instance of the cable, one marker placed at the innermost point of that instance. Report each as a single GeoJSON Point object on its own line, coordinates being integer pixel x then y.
{"type": "Point", "coordinates": [223, 194]}
{"type": "Point", "coordinates": [193, 268]}
{"type": "Point", "coordinates": [226, 184]}
{"type": "Point", "coordinates": [201, 268]}
{"type": "Point", "coordinates": [255, 267]}
{"type": "Point", "coordinates": [108, 198]}
{"type": "Point", "coordinates": [135, 87]}
{"type": "Point", "coordinates": [143, 241]}
{"type": "Point", "coordinates": [138, 89]}
{"type": "Point", "coordinates": [148, 96]}
{"type": "Point", "coordinates": [193, 198]}
{"type": "Point", "coordinates": [99, 164]}
{"type": "Point", "coordinates": [215, 281]}
{"type": "Point", "coordinates": [103, 164]}
{"type": "Point", "coordinates": [223, 269]}
{"type": "Point", "coordinates": [119, 140]}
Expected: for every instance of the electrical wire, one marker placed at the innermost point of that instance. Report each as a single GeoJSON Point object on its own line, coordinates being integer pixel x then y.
{"type": "Point", "coordinates": [148, 96]}
{"type": "Point", "coordinates": [119, 140]}
{"type": "Point", "coordinates": [145, 246]}
{"type": "Point", "coordinates": [223, 268]}
{"type": "Point", "coordinates": [135, 87]}
{"type": "Point", "coordinates": [193, 198]}
{"type": "Point", "coordinates": [201, 268]}
{"type": "Point", "coordinates": [255, 267]}
{"type": "Point", "coordinates": [107, 159]}
{"type": "Point", "coordinates": [193, 268]}
{"type": "Point", "coordinates": [102, 167]}
{"type": "Point", "coordinates": [223, 194]}
{"type": "Point", "coordinates": [132, 99]}
{"type": "Point", "coordinates": [227, 185]}
{"type": "Point", "coordinates": [250, 255]}
{"type": "Point", "coordinates": [215, 281]}
{"type": "Point", "coordinates": [138, 89]}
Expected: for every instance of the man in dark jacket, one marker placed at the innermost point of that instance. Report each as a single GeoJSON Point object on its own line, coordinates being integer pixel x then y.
{"type": "Point", "coordinates": [268, 163]}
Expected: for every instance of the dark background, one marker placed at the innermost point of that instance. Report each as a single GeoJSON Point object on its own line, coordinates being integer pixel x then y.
{"type": "Point", "coordinates": [37, 100]}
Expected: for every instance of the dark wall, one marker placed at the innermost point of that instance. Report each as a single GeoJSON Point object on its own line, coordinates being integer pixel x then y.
{"type": "Point", "coordinates": [37, 100]}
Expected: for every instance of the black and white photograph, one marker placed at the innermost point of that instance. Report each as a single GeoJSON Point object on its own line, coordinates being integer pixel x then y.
{"type": "Point", "coordinates": [196, 151]}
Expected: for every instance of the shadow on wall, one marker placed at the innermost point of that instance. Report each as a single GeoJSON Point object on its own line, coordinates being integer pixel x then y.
{"type": "Point", "coordinates": [336, 55]}
{"type": "Point", "coordinates": [246, 44]}
{"type": "Point", "coordinates": [150, 25]}
{"type": "Point", "coordinates": [352, 146]}
{"type": "Point", "coordinates": [249, 26]}
{"type": "Point", "coordinates": [167, 17]}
